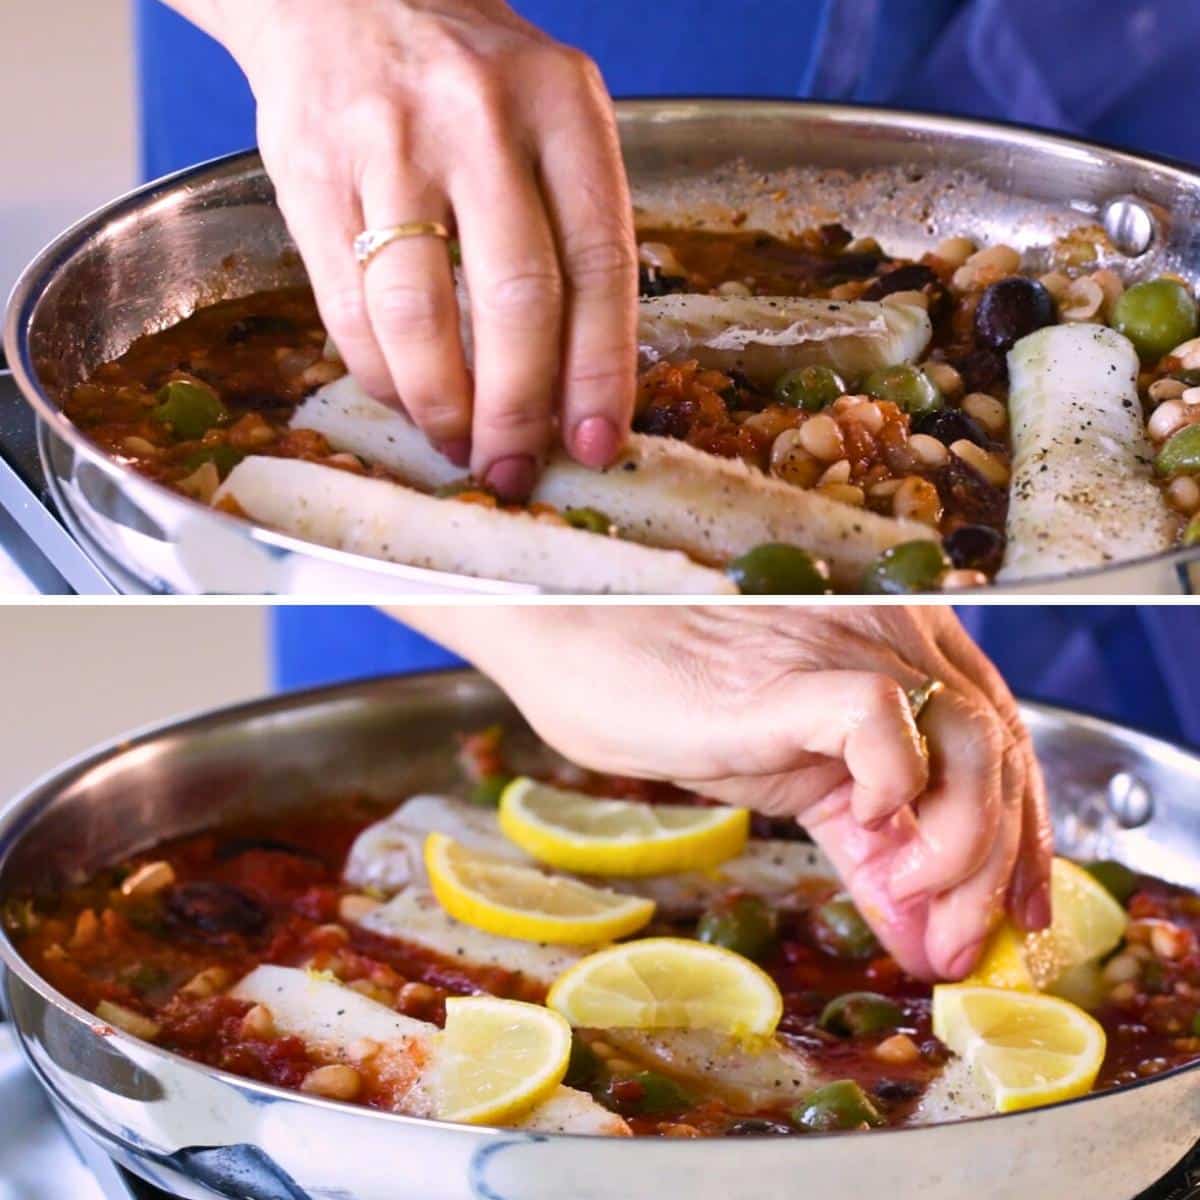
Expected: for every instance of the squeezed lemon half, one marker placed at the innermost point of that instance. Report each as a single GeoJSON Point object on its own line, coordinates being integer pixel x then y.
{"type": "Point", "coordinates": [592, 836]}
{"type": "Point", "coordinates": [1026, 1049]}
{"type": "Point", "coordinates": [517, 901]}
{"type": "Point", "coordinates": [1087, 924]}
{"type": "Point", "coordinates": [496, 1059]}
{"type": "Point", "coordinates": [669, 983]}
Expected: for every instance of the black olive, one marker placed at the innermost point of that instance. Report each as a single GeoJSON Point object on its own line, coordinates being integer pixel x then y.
{"type": "Point", "coordinates": [911, 277]}
{"type": "Point", "coordinates": [976, 547]}
{"type": "Point", "coordinates": [233, 847]}
{"type": "Point", "coordinates": [781, 829]}
{"type": "Point", "coordinates": [759, 1127]}
{"type": "Point", "coordinates": [894, 1090]}
{"type": "Point", "coordinates": [983, 370]}
{"type": "Point", "coordinates": [257, 325]}
{"type": "Point", "coordinates": [1010, 309]}
{"type": "Point", "coordinates": [949, 425]}
{"type": "Point", "coordinates": [963, 489]}
{"type": "Point", "coordinates": [652, 282]}
{"type": "Point", "coordinates": [215, 908]}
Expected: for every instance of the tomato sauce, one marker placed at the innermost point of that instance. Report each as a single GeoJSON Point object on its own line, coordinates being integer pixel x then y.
{"type": "Point", "coordinates": [270, 891]}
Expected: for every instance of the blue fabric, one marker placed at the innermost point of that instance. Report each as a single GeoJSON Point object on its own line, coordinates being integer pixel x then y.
{"type": "Point", "coordinates": [1138, 665]}
{"type": "Point", "coordinates": [326, 643]}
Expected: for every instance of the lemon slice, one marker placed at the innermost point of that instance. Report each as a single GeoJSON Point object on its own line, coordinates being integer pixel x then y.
{"type": "Point", "coordinates": [497, 1058]}
{"type": "Point", "coordinates": [668, 983]}
{"type": "Point", "coordinates": [1087, 924]}
{"type": "Point", "coordinates": [516, 901]}
{"type": "Point", "coordinates": [1026, 1049]}
{"type": "Point", "coordinates": [591, 836]}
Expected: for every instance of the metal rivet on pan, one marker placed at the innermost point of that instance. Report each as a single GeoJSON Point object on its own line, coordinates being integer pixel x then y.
{"type": "Point", "coordinates": [1130, 225]}
{"type": "Point", "coordinates": [1129, 800]}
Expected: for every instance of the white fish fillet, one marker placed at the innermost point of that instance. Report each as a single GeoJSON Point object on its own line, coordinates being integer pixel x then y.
{"type": "Point", "coordinates": [763, 336]}
{"type": "Point", "coordinates": [384, 520]}
{"type": "Point", "coordinates": [750, 1078]}
{"type": "Point", "coordinates": [1082, 489]}
{"type": "Point", "coordinates": [660, 491]}
{"type": "Point", "coordinates": [330, 1017]}
{"type": "Point", "coordinates": [388, 855]}
{"type": "Point", "coordinates": [753, 1078]}
{"type": "Point", "coordinates": [954, 1095]}
{"type": "Point", "coordinates": [414, 916]}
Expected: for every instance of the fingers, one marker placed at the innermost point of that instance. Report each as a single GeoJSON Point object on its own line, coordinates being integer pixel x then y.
{"type": "Point", "coordinates": [960, 813]}
{"type": "Point", "coordinates": [324, 218]}
{"type": "Point", "coordinates": [409, 288]}
{"type": "Point", "coordinates": [516, 313]}
{"type": "Point", "coordinates": [858, 718]}
{"type": "Point", "coordinates": [587, 196]}
{"type": "Point", "coordinates": [960, 919]}
{"type": "Point", "coordinates": [1029, 890]}
{"type": "Point", "coordinates": [864, 859]}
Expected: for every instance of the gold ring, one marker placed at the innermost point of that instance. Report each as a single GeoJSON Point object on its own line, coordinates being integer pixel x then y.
{"type": "Point", "coordinates": [369, 243]}
{"type": "Point", "coordinates": [920, 696]}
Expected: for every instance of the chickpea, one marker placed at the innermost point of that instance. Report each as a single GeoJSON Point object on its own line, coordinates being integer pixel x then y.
{"type": "Point", "coordinates": [334, 1082]}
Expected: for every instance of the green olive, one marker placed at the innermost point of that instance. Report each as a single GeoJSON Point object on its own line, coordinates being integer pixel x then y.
{"type": "Point", "coordinates": [777, 569]}
{"type": "Point", "coordinates": [1116, 878]}
{"type": "Point", "coordinates": [191, 409]}
{"type": "Point", "coordinates": [647, 1093]}
{"type": "Point", "coordinates": [584, 1067]}
{"type": "Point", "coordinates": [840, 1105]}
{"type": "Point", "coordinates": [1196, 1025]}
{"type": "Point", "coordinates": [486, 793]}
{"type": "Point", "coordinates": [810, 388]}
{"type": "Point", "coordinates": [906, 568]}
{"type": "Point", "coordinates": [906, 387]}
{"type": "Point", "coordinates": [747, 925]}
{"type": "Point", "coordinates": [1191, 535]}
{"type": "Point", "coordinates": [224, 458]}
{"type": "Point", "coordinates": [840, 929]}
{"type": "Point", "coordinates": [456, 487]}
{"type": "Point", "coordinates": [1156, 316]}
{"type": "Point", "coordinates": [1181, 454]}
{"type": "Point", "coordinates": [856, 1014]}
{"type": "Point", "coordinates": [591, 519]}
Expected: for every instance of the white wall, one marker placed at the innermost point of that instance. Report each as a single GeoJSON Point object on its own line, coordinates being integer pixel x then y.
{"type": "Point", "coordinates": [67, 141]}
{"type": "Point", "coordinates": [73, 675]}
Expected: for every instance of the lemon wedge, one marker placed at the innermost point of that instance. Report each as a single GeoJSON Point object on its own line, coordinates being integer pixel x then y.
{"type": "Point", "coordinates": [593, 836]}
{"type": "Point", "coordinates": [1002, 963]}
{"type": "Point", "coordinates": [1087, 924]}
{"type": "Point", "coordinates": [517, 901]}
{"type": "Point", "coordinates": [668, 983]}
{"type": "Point", "coordinates": [1026, 1049]}
{"type": "Point", "coordinates": [497, 1058]}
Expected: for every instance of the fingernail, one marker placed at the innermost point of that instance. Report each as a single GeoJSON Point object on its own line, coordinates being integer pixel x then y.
{"type": "Point", "coordinates": [965, 959]}
{"type": "Point", "coordinates": [596, 441]}
{"type": "Point", "coordinates": [512, 478]}
{"type": "Point", "coordinates": [1037, 908]}
{"type": "Point", "coordinates": [457, 451]}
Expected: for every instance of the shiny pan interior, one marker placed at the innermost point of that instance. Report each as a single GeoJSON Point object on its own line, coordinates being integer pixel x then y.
{"type": "Point", "coordinates": [214, 232]}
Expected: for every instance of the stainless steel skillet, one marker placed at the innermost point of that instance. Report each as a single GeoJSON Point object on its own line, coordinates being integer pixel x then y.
{"type": "Point", "coordinates": [149, 259]}
{"type": "Point", "coordinates": [1116, 793]}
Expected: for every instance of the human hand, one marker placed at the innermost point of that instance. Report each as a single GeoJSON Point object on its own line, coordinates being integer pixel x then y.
{"type": "Point", "coordinates": [373, 113]}
{"type": "Point", "coordinates": [803, 712]}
